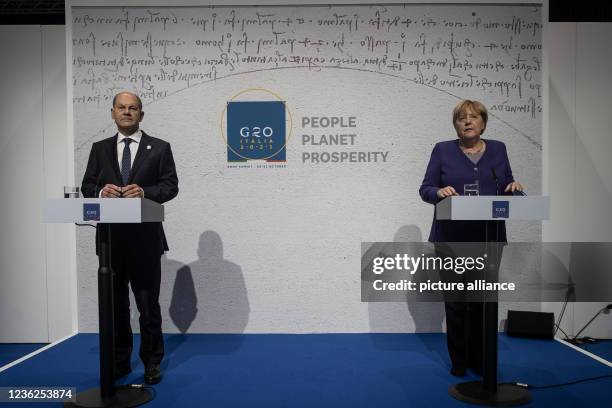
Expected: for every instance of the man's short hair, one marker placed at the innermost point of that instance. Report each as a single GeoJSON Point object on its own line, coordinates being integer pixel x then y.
{"type": "Point", "coordinates": [129, 93]}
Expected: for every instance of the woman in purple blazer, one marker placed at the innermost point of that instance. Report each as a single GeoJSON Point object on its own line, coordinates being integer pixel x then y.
{"type": "Point", "coordinates": [459, 167]}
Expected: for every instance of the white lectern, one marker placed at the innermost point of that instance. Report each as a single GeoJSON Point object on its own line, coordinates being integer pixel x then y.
{"type": "Point", "coordinates": [491, 208]}
{"type": "Point", "coordinates": [481, 208]}
{"type": "Point", "coordinates": [105, 211]}
{"type": "Point", "coordinates": [111, 210]}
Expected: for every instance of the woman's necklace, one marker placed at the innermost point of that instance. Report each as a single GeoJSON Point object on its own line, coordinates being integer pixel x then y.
{"type": "Point", "coordinates": [478, 148]}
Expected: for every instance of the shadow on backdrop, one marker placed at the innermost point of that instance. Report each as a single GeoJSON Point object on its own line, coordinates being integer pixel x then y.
{"type": "Point", "coordinates": [388, 317]}
{"type": "Point", "coordinates": [184, 302]}
{"type": "Point", "coordinates": [208, 296]}
{"type": "Point", "coordinates": [223, 300]}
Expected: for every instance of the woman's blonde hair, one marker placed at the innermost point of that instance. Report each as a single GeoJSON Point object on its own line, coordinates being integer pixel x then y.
{"type": "Point", "coordinates": [475, 106]}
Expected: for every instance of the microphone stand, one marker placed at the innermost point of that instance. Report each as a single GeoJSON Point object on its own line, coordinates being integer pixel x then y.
{"type": "Point", "coordinates": [568, 295]}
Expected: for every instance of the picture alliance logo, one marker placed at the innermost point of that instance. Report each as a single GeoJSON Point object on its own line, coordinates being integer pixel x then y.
{"type": "Point", "coordinates": [256, 129]}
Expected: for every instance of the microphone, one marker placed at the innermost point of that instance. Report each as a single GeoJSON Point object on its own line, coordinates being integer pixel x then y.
{"type": "Point", "coordinates": [496, 181]}
{"type": "Point", "coordinates": [98, 179]}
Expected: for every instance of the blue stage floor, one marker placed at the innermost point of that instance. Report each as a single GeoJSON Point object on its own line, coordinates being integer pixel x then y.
{"type": "Point", "coordinates": [602, 349]}
{"type": "Point", "coordinates": [10, 352]}
{"type": "Point", "coordinates": [320, 370]}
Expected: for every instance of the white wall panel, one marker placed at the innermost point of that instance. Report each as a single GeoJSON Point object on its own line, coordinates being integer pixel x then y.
{"type": "Point", "coordinates": [579, 149]}
{"type": "Point", "coordinates": [23, 281]}
{"type": "Point", "coordinates": [37, 278]}
{"type": "Point", "coordinates": [593, 178]}
{"type": "Point", "coordinates": [60, 238]}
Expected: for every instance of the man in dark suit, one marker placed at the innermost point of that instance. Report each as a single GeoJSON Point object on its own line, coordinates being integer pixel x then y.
{"type": "Point", "coordinates": [132, 164]}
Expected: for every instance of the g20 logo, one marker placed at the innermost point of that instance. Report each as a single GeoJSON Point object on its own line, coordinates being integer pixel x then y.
{"type": "Point", "coordinates": [256, 130]}
{"type": "Point", "coordinates": [501, 209]}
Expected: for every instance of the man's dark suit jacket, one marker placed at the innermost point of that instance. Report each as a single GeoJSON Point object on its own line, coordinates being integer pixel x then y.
{"type": "Point", "coordinates": [153, 170]}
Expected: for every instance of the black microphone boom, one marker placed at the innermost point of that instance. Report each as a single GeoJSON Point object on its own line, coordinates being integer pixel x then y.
{"type": "Point", "coordinates": [496, 181]}
{"type": "Point", "coordinates": [98, 179]}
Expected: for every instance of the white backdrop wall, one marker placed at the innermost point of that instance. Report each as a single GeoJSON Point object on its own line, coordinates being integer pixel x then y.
{"type": "Point", "coordinates": [578, 148]}
{"type": "Point", "coordinates": [276, 249]}
{"type": "Point", "coordinates": [37, 280]}
{"type": "Point", "coordinates": [58, 171]}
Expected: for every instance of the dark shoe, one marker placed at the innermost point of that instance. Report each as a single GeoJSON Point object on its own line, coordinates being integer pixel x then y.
{"type": "Point", "coordinates": [153, 374]}
{"type": "Point", "coordinates": [458, 371]}
{"type": "Point", "coordinates": [122, 372]}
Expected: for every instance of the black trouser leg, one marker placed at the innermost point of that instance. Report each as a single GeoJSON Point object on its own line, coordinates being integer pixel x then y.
{"type": "Point", "coordinates": [464, 333]}
{"type": "Point", "coordinates": [456, 332]}
{"type": "Point", "coordinates": [145, 280]}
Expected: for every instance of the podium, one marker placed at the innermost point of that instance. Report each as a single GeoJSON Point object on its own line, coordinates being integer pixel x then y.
{"type": "Point", "coordinates": [535, 208]}
{"type": "Point", "coordinates": [491, 208]}
{"type": "Point", "coordinates": [103, 212]}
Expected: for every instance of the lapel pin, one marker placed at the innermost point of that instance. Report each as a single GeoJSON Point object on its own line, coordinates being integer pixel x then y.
{"type": "Point", "coordinates": [148, 147]}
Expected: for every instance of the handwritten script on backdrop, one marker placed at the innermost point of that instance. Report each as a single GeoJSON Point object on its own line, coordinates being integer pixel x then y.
{"type": "Point", "coordinates": [490, 51]}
